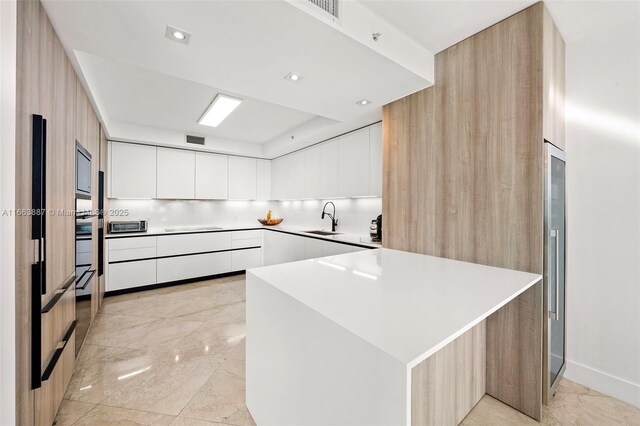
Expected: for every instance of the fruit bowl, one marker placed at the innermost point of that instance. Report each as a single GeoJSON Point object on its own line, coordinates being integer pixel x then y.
{"type": "Point", "coordinates": [270, 222]}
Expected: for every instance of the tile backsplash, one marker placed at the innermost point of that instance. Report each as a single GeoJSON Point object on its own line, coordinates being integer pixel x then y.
{"type": "Point", "coordinates": [354, 215]}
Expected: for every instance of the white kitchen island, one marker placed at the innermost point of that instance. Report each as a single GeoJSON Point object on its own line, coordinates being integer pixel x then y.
{"type": "Point", "coordinates": [380, 337]}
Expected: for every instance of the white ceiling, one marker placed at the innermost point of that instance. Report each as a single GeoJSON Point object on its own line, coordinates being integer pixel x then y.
{"type": "Point", "coordinates": [238, 47]}
{"type": "Point", "coordinates": [437, 25]}
{"type": "Point", "coordinates": [137, 95]}
{"type": "Point", "coordinates": [142, 83]}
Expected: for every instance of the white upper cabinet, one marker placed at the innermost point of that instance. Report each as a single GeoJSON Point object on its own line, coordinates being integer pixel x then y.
{"type": "Point", "coordinates": [354, 164]}
{"type": "Point", "coordinates": [277, 178]}
{"type": "Point", "coordinates": [212, 176]}
{"type": "Point", "coordinates": [296, 176]}
{"type": "Point", "coordinates": [132, 171]}
{"type": "Point", "coordinates": [176, 174]}
{"type": "Point", "coordinates": [329, 163]}
{"type": "Point", "coordinates": [242, 178]}
{"type": "Point", "coordinates": [311, 161]}
{"type": "Point", "coordinates": [375, 160]}
{"type": "Point", "coordinates": [263, 184]}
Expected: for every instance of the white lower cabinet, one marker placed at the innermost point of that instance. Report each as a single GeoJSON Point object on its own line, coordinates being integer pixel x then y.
{"type": "Point", "coordinates": [198, 265]}
{"type": "Point", "coordinates": [246, 259]}
{"type": "Point", "coordinates": [312, 248]}
{"type": "Point", "coordinates": [279, 247]}
{"type": "Point", "coordinates": [182, 257]}
{"type": "Point", "coordinates": [131, 274]}
{"type": "Point", "coordinates": [171, 245]}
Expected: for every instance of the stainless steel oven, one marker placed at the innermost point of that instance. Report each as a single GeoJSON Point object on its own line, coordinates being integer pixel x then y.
{"type": "Point", "coordinates": [85, 268]}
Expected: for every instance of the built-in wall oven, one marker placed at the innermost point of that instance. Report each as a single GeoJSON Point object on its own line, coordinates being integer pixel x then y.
{"type": "Point", "coordinates": [85, 269]}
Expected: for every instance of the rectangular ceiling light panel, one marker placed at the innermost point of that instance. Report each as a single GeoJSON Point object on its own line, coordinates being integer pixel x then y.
{"type": "Point", "coordinates": [219, 109]}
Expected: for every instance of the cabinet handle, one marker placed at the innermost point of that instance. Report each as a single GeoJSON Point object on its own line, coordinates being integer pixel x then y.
{"type": "Point", "coordinates": [53, 361]}
{"type": "Point", "coordinates": [554, 314]}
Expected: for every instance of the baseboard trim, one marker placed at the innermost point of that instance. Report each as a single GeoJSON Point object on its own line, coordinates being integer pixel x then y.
{"type": "Point", "coordinates": [602, 382]}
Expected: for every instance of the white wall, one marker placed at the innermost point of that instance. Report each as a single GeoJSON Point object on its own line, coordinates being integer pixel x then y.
{"type": "Point", "coordinates": [603, 190]}
{"type": "Point", "coordinates": [7, 201]}
{"type": "Point", "coordinates": [354, 214]}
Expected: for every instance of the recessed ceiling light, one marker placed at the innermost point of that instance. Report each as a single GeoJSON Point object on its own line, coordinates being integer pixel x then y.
{"type": "Point", "coordinates": [219, 109]}
{"type": "Point", "coordinates": [292, 76]}
{"type": "Point", "coordinates": [363, 102]}
{"type": "Point", "coordinates": [176, 34]}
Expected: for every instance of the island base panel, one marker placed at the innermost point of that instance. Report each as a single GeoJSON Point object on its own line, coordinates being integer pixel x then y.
{"type": "Point", "coordinates": [303, 369]}
{"type": "Point", "coordinates": [448, 384]}
{"type": "Point", "coordinates": [514, 353]}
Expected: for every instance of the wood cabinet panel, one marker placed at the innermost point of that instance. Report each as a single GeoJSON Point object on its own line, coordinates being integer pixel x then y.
{"type": "Point", "coordinates": [553, 71]}
{"type": "Point", "coordinates": [446, 386]}
{"type": "Point", "coordinates": [46, 85]}
{"type": "Point", "coordinates": [463, 176]}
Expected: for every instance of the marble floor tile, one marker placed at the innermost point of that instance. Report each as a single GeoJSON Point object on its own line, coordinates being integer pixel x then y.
{"type": "Point", "coordinates": [116, 330]}
{"type": "Point", "coordinates": [588, 409]}
{"type": "Point", "coordinates": [221, 399]}
{"type": "Point", "coordinates": [100, 376]}
{"type": "Point", "coordinates": [176, 355]}
{"type": "Point", "coordinates": [71, 411]}
{"type": "Point", "coordinates": [171, 383]}
{"type": "Point", "coordinates": [184, 421]}
{"type": "Point", "coordinates": [105, 416]}
{"type": "Point", "coordinates": [490, 411]}
{"type": "Point", "coordinates": [225, 314]}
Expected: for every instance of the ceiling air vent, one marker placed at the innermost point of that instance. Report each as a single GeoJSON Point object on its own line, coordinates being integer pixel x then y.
{"type": "Point", "coordinates": [196, 140]}
{"type": "Point", "coordinates": [329, 6]}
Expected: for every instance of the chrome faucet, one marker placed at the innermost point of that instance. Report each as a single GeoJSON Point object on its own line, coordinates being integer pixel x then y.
{"type": "Point", "coordinates": [334, 221]}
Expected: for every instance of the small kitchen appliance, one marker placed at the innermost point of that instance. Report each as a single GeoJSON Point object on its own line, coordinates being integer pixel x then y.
{"type": "Point", "coordinates": [375, 230]}
{"type": "Point", "coordinates": [126, 226]}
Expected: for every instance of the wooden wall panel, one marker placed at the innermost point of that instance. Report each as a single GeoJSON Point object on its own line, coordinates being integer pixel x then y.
{"type": "Point", "coordinates": [411, 169]}
{"type": "Point", "coordinates": [514, 353]}
{"type": "Point", "coordinates": [463, 178]}
{"type": "Point", "coordinates": [46, 85]}
{"type": "Point", "coordinates": [448, 384]}
{"type": "Point", "coordinates": [554, 82]}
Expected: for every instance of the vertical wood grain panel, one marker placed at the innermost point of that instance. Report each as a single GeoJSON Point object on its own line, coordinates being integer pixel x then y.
{"type": "Point", "coordinates": [448, 384]}
{"type": "Point", "coordinates": [514, 346]}
{"type": "Point", "coordinates": [46, 85]}
{"type": "Point", "coordinates": [554, 83]}
{"type": "Point", "coordinates": [463, 179]}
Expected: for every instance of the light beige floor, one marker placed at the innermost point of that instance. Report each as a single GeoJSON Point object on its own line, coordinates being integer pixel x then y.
{"type": "Point", "coordinates": [175, 356]}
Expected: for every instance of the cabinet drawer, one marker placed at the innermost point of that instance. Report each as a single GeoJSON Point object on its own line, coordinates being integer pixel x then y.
{"type": "Point", "coordinates": [199, 265]}
{"type": "Point", "coordinates": [130, 243]}
{"type": "Point", "coordinates": [246, 259]}
{"type": "Point", "coordinates": [254, 242]}
{"type": "Point", "coordinates": [193, 243]}
{"type": "Point", "coordinates": [132, 254]}
{"type": "Point", "coordinates": [246, 235]}
{"type": "Point", "coordinates": [131, 274]}
{"type": "Point", "coordinates": [48, 397]}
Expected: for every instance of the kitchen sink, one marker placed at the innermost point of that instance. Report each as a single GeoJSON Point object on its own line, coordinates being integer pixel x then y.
{"type": "Point", "coordinates": [322, 232]}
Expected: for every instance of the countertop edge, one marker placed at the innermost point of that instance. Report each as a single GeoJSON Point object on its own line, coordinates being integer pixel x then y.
{"type": "Point", "coordinates": [412, 363]}
{"type": "Point", "coordinates": [248, 228]}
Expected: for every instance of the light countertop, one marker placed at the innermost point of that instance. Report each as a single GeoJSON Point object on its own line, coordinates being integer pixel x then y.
{"type": "Point", "coordinates": [407, 305]}
{"type": "Point", "coordinates": [345, 238]}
